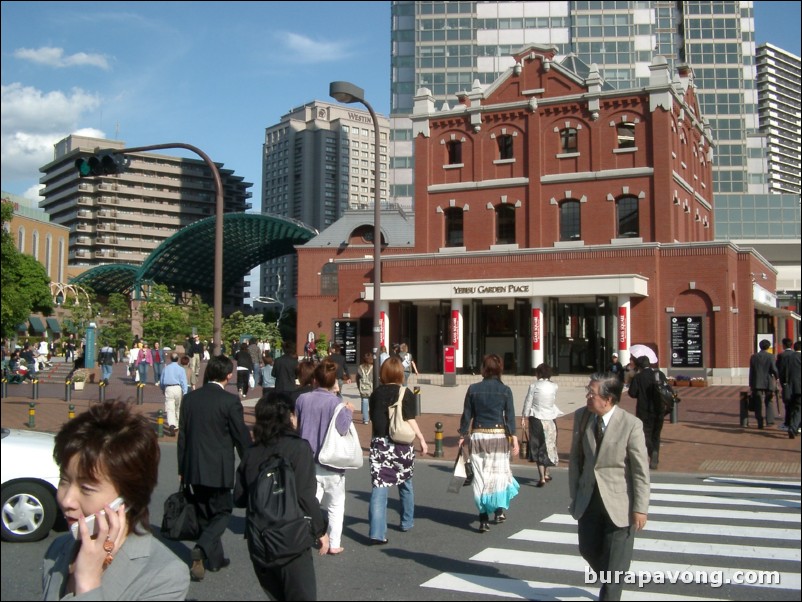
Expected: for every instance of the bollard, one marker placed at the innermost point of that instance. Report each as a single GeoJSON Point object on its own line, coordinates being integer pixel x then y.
{"type": "Point", "coordinates": [160, 423]}
{"type": "Point", "coordinates": [675, 410]}
{"type": "Point", "coordinates": [102, 390]}
{"type": "Point", "coordinates": [140, 394]}
{"type": "Point", "coordinates": [438, 439]}
{"type": "Point", "coordinates": [31, 415]}
{"type": "Point", "coordinates": [35, 389]}
{"type": "Point", "coordinates": [416, 391]}
{"type": "Point", "coordinates": [744, 409]}
{"type": "Point", "coordinates": [4, 388]}
{"type": "Point", "coordinates": [68, 390]}
{"type": "Point", "coordinates": [71, 413]}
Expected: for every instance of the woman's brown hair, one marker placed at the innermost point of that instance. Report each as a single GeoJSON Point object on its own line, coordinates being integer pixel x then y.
{"type": "Point", "coordinates": [326, 374]}
{"type": "Point", "coordinates": [492, 366]}
{"type": "Point", "coordinates": [112, 442]}
{"type": "Point", "coordinates": [392, 371]}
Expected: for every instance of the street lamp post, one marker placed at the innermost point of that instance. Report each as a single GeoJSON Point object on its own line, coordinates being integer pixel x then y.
{"type": "Point", "coordinates": [218, 231]}
{"type": "Point", "coordinates": [346, 92]}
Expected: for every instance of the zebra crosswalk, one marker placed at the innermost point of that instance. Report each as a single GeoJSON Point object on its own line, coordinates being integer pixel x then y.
{"type": "Point", "coordinates": [724, 538]}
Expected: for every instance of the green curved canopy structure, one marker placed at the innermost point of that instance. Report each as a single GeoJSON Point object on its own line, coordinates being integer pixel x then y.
{"type": "Point", "coordinates": [185, 261]}
{"type": "Point", "coordinates": [106, 279]}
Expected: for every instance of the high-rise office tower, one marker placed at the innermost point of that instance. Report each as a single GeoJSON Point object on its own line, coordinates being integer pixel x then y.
{"type": "Point", "coordinates": [778, 83]}
{"type": "Point", "coordinates": [318, 161]}
{"type": "Point", "coordinates": [446, 46]}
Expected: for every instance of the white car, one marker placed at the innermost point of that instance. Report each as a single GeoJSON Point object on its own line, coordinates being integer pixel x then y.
{"type": "Point", "coordinates": [30, 479]}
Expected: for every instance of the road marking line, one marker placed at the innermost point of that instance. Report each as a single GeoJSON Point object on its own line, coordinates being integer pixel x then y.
{"type": "Point", "coordinates": [673, 547]}
{"type": "Point", "coordinates": [657, 526]}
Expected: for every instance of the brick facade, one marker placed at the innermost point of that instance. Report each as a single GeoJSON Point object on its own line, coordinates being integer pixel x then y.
{"type": "Point", "coordinates": [550, 191]}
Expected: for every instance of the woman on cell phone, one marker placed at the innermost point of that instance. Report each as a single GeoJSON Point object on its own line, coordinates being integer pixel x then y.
{"type": "Point", "coordinates": [106, 453]}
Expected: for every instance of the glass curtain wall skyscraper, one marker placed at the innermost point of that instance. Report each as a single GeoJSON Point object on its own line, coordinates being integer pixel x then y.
{"type": "Point", "coordinates": [446, 46]}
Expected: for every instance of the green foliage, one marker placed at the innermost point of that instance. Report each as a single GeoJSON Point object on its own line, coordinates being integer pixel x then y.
{"type": "Point", "coordinates": [118, 319]}
{"type": "Point", "coordinates": [162, 319]}
{"type": "Point", "coordinates": [200, 316]}
{"type": "Point", "coordinates": [25, 284]}
{"type": "Point", "coordinates": [81, 310]}
{"type": "Point", "coordinates": [322, 345]}
{"type": "Point", "coordinates": [238, 324]}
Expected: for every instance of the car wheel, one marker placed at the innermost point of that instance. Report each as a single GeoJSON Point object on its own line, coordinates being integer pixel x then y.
{"type": "Point", "coordinates": [29, 512]}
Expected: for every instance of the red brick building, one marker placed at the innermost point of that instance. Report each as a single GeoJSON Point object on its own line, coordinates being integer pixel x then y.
{"type": "Point", "coordinates": [556, 219]}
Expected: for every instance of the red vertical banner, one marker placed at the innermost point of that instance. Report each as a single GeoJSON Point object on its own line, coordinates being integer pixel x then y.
{"type": "Point", "coordinates": [536, 318]}
{"type": "Point", "coordinates": [623, 345]}
{"type": "Point", "coordinates": [455, 328]}
{"type": "Point", "coordinates": [382, 322]}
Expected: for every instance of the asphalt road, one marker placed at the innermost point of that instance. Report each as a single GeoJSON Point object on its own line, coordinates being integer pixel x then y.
{"type": "Point", "coordinates": [531, 556]}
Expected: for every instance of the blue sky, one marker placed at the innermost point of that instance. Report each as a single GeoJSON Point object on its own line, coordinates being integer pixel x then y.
{"type": "Point", "coordinates": [210, 74]}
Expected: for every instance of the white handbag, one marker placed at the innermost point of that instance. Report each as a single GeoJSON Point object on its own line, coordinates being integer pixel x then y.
{"type": "Point", "coordinates": [341, 451]}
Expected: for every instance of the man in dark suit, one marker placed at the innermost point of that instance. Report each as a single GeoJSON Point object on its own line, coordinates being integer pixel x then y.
{"type": "Point", "coordinates": [648, 409]}
{"type": "Point", "coordinates": [608, 478]}
{"type": "Point", "coordinates": [782, 359]}
{"type": "Point", "coordinates": [791, 377]}
{"type": "Point", "coordinates": [761, 370]}
{"type": "Point", "coordinates": [284, 368]}
{"type": "Point", "coordinates": [211, 425]}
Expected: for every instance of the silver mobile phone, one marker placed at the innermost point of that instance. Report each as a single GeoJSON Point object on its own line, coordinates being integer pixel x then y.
{"type": "Point", "coordinates": [91, 522]}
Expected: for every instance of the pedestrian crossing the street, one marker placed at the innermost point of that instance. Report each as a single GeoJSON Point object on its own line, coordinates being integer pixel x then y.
{"type": "Point", "coordinates": [718, 539]}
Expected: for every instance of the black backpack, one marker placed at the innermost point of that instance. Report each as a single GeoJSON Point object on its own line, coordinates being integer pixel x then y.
{"type": "Point", "coordinates": [276, 527]}
{"type": "Point", "coordinates": [663, 395]}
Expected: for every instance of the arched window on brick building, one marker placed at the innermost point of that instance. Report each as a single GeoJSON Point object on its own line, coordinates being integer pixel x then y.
{"type": "Point", "coordinates": [628, 224]}
{"type": "Point", "coordinates": [454, 230]}
{"type": "Point", "coordinates": [570, 223]}
{"type": "Point", "coordinates": [505, 224]}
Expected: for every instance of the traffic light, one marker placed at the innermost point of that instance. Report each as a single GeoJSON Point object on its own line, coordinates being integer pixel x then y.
{"type": "Point", "coordinates": [103, 163]}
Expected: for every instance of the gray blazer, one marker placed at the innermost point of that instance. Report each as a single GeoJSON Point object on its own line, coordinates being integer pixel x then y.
{"type": "Point", "coordinates": [143, 569]}
{"type": "Point", "coordinates": [620, 469]}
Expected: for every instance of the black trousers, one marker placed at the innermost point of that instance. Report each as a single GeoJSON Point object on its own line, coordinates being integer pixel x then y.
{"type": "Point", "coordinates": [289, 580]}
{"type": "Point", "coordinates": [606, 547]}
{"type": "Point", "coordinates": [214, 506]}
{"type": "Point", "coordinates": [652, 431]}
{"type": "Point", "coordinates": [764, 398]}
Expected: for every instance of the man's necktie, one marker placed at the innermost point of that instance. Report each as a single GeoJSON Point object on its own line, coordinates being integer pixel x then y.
{"type": "Point", "coordinates": [599, 431]}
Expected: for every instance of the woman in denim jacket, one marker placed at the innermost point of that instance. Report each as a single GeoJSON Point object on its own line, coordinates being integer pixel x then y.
{"type": "Point", "coordinates": [489, 419]}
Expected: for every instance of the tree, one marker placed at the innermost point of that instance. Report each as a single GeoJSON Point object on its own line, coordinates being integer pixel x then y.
{"type": "Point", "coordinates": [118, 315]}
{"type": "Point", "coordinates": [200, 316]}
{"type": "Point", "coordinates": [238, 324]}
{"type": "Point", "coordinates": [162, 319]}
{"type": "Point", "coordinates": [81, 309]}
{"type": "Point", "coordinates": [25, 283]}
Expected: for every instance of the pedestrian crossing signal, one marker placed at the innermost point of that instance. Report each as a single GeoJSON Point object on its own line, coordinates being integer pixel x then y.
{"type": "Point", "coordinates": [104, 163]}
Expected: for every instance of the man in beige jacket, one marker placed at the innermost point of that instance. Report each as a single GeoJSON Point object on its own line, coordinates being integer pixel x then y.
{"type": "Point", "coordinates": [609, 482]}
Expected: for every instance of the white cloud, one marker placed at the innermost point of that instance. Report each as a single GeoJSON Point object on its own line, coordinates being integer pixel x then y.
{"type": "Point", "coordinates": [33, 193]}
{"type": "Point", "coordinates": [54, 57]}
{"type": "Point", "coordinates": [32, 121]}
{"type": "Point", "coordinates": [306, 50]}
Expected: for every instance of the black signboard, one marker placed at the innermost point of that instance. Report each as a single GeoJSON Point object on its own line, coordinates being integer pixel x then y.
{"type": "Point", "coordinates": [686, 342]}
{"type": "Point", "coordinates": [345, 334]}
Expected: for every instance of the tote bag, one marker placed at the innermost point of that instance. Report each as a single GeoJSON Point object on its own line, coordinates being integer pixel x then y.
{"type": "Point", "coordinates": [341, 451]}
{"type": "Point", "coordinates": [180, 521]}
{"type": "Point", "coordinates": [400, 431]}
